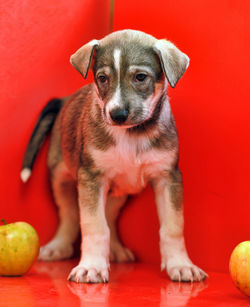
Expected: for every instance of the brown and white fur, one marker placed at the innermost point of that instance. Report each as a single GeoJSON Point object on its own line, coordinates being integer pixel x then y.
{"type": "Point", "coordinates": [110, 139]}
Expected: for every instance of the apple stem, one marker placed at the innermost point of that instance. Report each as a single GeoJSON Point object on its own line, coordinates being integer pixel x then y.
{"type": "Point", "coordinates": [4, 222]}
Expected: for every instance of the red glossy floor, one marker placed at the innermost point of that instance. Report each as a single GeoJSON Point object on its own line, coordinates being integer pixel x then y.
{"type": "Point", "coordinates": [130, 285]}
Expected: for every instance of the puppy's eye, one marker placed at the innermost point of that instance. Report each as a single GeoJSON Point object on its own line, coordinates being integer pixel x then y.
{"type": "Point", "coordinates": [102, 78]}
{"type": "Point", "coordinates": [140, 77]}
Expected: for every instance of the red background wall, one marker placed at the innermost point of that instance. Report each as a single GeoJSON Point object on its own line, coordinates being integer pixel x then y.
{"type": "Point", "coordinates": [210, 104]}
{"type": "Point", "coordinates": [37, 39]}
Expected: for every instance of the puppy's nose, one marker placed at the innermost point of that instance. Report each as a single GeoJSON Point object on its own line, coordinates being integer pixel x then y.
{"type": "Point", "coordinates": [119, 116]}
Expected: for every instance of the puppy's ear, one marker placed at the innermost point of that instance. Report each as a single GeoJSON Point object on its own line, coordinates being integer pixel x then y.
{"type": "Point", "coordinates": [174, 62]}
{"type": "Point", "coordinates": [81, 60]}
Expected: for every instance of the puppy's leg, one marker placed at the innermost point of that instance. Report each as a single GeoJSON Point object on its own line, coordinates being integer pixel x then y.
{"type": "Point", "coordinates": [94, 263]}
{"type": "Point", "coordinates": [65, 195]}
{"type": "Point", "coordinates": [169, 195]}
{"type": "Point", "coordinates": [118, 252]}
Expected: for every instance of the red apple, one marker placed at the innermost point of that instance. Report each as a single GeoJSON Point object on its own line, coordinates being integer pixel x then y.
{"type": "Point", "coordinates": [239, 267]}
{"type": "Point", "coordinates": [19, 248]}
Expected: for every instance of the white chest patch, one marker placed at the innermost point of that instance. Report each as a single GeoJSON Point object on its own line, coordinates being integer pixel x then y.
{"type": "Point", "coordinates": [128, 166]}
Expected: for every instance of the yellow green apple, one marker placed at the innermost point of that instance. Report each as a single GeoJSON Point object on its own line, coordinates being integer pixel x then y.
{"type": "Point", "coordinates": [19, 248]}
{"type": "Point", "coordinates": [239, 267]}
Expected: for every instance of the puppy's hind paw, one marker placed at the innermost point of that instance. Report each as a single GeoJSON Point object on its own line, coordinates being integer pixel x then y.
{"type": "Point", "coordinates": [82, 275]}
{"type": "Point", "coordinates": [55, 250]}
{"type": "Point", "coordinates": [119, 253]}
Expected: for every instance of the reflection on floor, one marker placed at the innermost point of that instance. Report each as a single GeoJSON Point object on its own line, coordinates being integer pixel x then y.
{"type": "Point", "coordinates": [130, 285]}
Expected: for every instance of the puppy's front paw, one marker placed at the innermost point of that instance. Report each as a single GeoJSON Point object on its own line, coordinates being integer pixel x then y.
{"type": "Point", "coordinates": [55, 250]}
{"type": "Point", "coordinates": [186, 273]}
{"type": "Point", "coordinates": [81, 274]}
{"type": "Point", "coordinates": [181, 268]}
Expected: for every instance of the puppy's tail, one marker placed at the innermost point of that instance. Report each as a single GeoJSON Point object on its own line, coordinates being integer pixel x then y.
{"type": "Point", "coordinates": [43, 126]}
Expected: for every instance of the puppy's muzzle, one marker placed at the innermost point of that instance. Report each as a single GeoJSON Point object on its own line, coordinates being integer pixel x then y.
{"type": "Point", "coordinates": [119, 116]}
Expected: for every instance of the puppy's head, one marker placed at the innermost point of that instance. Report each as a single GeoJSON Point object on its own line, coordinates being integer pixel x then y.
{"type": "Point", "coordinates": [130, 71]}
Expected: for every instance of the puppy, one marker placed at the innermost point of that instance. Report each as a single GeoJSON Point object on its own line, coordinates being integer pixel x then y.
{"type": "Point", "coordinates": [109, 140]}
